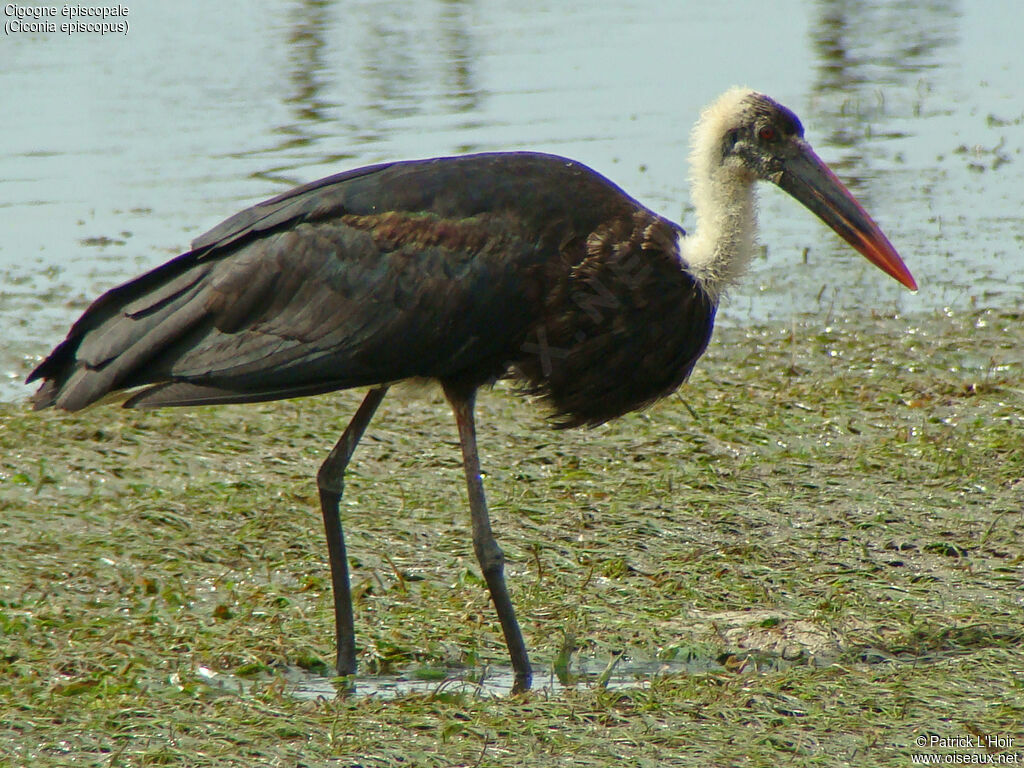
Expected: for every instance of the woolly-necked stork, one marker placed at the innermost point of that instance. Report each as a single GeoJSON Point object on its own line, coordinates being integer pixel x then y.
{"type": "Point", "coordinates": [459, 269]}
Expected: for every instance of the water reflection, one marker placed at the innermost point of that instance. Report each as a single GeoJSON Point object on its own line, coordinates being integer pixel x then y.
{"type": "Point", "coordinates": [868, 52]}
{"type": "Point", "coordinates": [306, 38]}
{"type": "Point", "coordinates": [460, 82]}
{"type": "Point", "coordinates": [386, 65]}
{"type": "Point", "coordinates": [306, 42]}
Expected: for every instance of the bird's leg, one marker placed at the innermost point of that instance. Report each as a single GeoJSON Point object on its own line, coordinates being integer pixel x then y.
{"type": "Point", "coordinates": [488, 553]}
{"type": "Point", "coordinates": [331, 482]}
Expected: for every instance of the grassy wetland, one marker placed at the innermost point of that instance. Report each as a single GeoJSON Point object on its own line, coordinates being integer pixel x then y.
{"type": "Point", "coordinates": [813, 555]}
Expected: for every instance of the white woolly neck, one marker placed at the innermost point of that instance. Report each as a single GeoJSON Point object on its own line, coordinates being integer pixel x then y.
{"type": "Point", "coordinates": [722, 243]}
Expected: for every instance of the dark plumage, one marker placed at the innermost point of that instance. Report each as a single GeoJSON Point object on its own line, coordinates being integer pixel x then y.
{"type": "Point", "coordinates": [455, 268]}
{"type": "Point", "coordinates": [459, 269]}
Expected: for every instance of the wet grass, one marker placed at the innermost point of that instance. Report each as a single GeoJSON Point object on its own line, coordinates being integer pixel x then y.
{"type": "Point", "coordinates": [825, 526]}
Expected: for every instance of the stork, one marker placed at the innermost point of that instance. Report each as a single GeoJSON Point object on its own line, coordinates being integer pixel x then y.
{"type": "Point", "coordinates": [461, 270]}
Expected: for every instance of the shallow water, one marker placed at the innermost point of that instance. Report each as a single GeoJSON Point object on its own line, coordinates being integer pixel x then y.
{"type": "Point", "coordinates": [592, 673]}
{"type": "Point", "coordinates": [115, 151]}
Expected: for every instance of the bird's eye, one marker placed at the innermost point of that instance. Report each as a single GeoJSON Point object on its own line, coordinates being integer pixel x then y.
{"type": "Point", "coordinates": [767, 133]}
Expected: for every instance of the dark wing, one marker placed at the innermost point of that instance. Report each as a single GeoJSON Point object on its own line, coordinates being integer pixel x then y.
{"type": "Point", "coordinates": [428, 268]}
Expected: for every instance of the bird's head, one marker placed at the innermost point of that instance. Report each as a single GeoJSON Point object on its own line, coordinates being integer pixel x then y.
{"type": "Point", "coordinates": [754, 137]}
